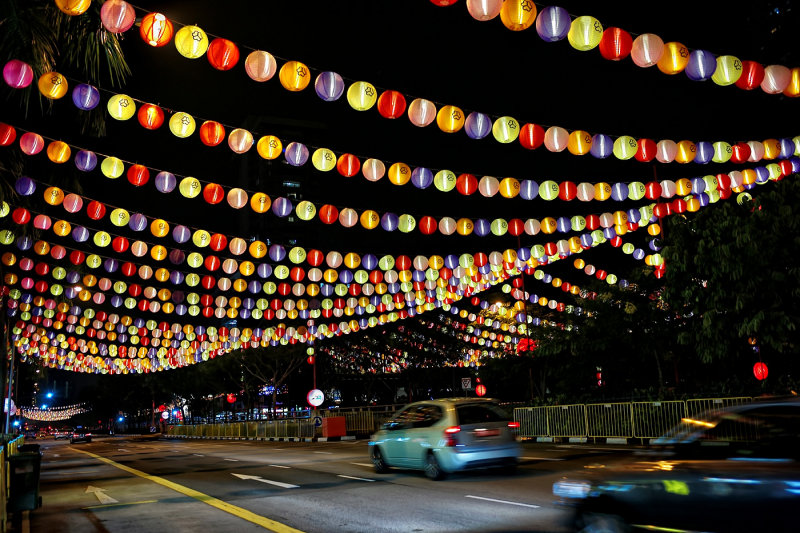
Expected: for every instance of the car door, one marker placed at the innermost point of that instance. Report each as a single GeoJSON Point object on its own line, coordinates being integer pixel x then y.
{"type": "Point", "coordinates": [395, 436]}
{"type": "Point", "coordinates": [423, 433]}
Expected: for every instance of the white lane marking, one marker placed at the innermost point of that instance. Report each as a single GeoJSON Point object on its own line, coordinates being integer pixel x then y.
{"type": "Point", "coordinates": [198, 454]}
{"type": "Point", "coordinates": [123, 450]}
{"type": "Point", "coordinates": [279, 466]}
{"type": "Point", "coordinates": [363, 464]}
{"type": "Point", "coordinates": [262, 480]}
{"type": "Point", "coordinates": [56, 455]}
{"type": "Point", "coordinates": [326, 453]}
{"type": "Point", "coordinates": [502, 501]}
{"type": "Point", "coordinates": [356, 478]}
{"type": "Point", "coordinates": [233, 460]}
{"type": "Point", "coordinates": [543, 458]}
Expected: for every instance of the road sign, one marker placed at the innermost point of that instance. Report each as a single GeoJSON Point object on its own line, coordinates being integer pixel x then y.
{"type": "Point", "coordinates": [317, 421]}
{"type": "Point", "coordinates": [466, 383]}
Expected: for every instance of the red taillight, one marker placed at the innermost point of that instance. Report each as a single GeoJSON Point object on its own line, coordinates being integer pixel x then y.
{"type": "Point", "coordinates": [450, 435]}
{"type": "Point", "coordinates": [513, 425]}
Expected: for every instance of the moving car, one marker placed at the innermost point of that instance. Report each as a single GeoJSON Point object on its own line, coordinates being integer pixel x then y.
{"type": "Point", "coordinates": [80, 434]}
{"type": "Point", "coordinates": [447, 435]}
{"type": "Point", "coordinates": [61, 434]}
{"type": "Point", "coordinates": [736, 469]}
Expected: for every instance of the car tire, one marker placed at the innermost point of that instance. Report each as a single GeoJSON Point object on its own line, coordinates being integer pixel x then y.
{"type": "Point", "coordinates": [602, 523]}
{"type": "Point", "coordinates": [378, 461]}
{"type": "Point", "coordinates": [433, 470]}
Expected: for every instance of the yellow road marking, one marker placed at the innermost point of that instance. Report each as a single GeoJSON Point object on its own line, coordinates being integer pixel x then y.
{"type": "Point", "coordinates": [262, 521]}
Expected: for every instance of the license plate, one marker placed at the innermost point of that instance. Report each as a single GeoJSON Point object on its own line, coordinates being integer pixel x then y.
{"type": "Point", "coordinates": [487, 432]}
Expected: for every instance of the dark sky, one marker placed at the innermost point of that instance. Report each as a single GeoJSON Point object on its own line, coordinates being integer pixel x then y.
{"type": "Point", "coordinates": [444, 55]}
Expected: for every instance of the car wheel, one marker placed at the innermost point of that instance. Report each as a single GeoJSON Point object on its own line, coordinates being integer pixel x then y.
{"type": "Point", "coordinates": [378, 462]}
{"type": "Point", "coordinates": [602, 523]}
{"type": "Point", "coordinates": [432, 468]}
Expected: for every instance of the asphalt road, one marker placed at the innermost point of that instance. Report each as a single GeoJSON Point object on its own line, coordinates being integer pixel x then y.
{"type": "Point", "coordinates": [125, 485]}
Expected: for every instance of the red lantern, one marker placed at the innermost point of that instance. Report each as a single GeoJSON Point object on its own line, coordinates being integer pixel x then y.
{"type": "Point", "coordinates": [138, 175]}
{"type": "Point", "coordinates": [516, 227]}
{"type": "Point", "coordinates": [7, 134]}
{"type": "Point", "coordinates": [310, 359]}
{"type": "Point", "coordinates": [213, 193]}
{"type": "Point", "coordinates": [156, 29]}
{"type": "Point", "coordinates": [480, 390]}
{"type": "Point", "coordinates": [150, 116]}
{"type": "Point", "coordinates": [162, 408]}
{"type": "Point", "coordinates": [328, 214]}
{"type": "Point", "coordinates": [567, 191]}
{"type": "Point", "coordinates": [212, 133]}
{"type": "Point", "coordinates": [391, 104]}
{"type": "Point", "coordinates": [95, 210]}
{"type": "Point", "coordinates": [348, 165]}
{"type": "Point", "coordinates": [646, 151]}
{"type": "Point", "coordinates": [760, 371]}
{"type": "Point", "coordinates": [752, 75]}
{"type": "Point", "coordinates": [315, 257]}
{"type": "Point", "coordinates": [741, 151]}
{"type": "Point", "coordinates": [231, 398]}
{"type": "Point", "coordinates": [222, 54]}
{"type": "Point", "coordinates": [531, 136]}
{"type": "Point", "coordinates": [652, 190]}
{"type": "Point", "coordinates": [615, 44]}
{"type": "Point", "coordinates": [427, 225]}
{"type": "Point", "coordinates": [467, 184]}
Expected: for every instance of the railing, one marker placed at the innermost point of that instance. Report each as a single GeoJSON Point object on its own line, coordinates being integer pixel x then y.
{"type": "Point", "coordinates": [640, 420]}
{"type": "Point", "coordinates": [282, 428]}
{"type": "Point", "coordinates": [8, 448]}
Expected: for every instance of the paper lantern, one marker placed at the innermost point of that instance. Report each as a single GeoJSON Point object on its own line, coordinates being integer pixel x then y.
{"type": "Point", "coordinates": [117, 16]}
{"type": "Point", "coordinates": [53, 85]}
{"type": "Point", "coordinates": [138, 175]}
{"type": "Point", "coordinates": [190, 187]}
{"type": "Point", "coordinates": [686, 151]}
{"type": "Point", "coordinates": [294, 76]}
{"type": "Point", "coordinates": [222, 54]}
{"type": "Point", "coordinates": [260, 65]}
{"type": "Point", "coordinates": [329, 86]}
{"type": "Point", "coordinates": [553, 24]}
{"type": "Point", "coordinates": [674, 59]}
{"type": "Point", "coordinates": [484, 9]}
{"type": "Point", "coordinates": [792, 90]}
{"type": "Point", "coordinates": [17, 74]}
{"type": "Point", "coordinates": [30, 143]}
{"type": "Point", "coordinates": [776, 79]}
{"type": "Point", "coordinates": [722, 152]}
{"type": "Point", "coordinates": [165, 182]}
{"type": "Point", "coordinates": [213, 193]}
{"type": "Point", "coordinates": [85, 97]}
{"type": "Point", "coordinates": [579, 142]}
{"type": "Point", "coordinates": [150, 116]}
{"type": "Point", "coordinates": [625, 147]}
{"type": "Point", "coordinates": [505, 129]}
{"type": "Point", "coordinates": [701, 65]}
{"type": "Point", "coordinates": [121, 107]}
{"type": "Point", "coordinates": [477, 125]}
{"type": "Point", "coordinates": [531, 136]}
{"type": "Point", "coordinates": [585, 33]}
{"type": "Point", "coordinates": [518, 15]}
{"type": "Point", "coordinates": [615, 44]}
{"type": "Point", "coordinates": [73, 7]}
{"type": "Point", "coordinates": [752, 75]}
{"type": "Point", "coordinates": [450, 119]}
{"type": "Point", "coordinates": [156, 29]}
{"type": "Point", "coordinates": [240, 140]}
{"type": "Point", "coordinates": [85, 160]}
{"type": "Point", "coordinates": [728, 70]}
{"type": "Point", "coordinates": [191, 42]}
{"type": "Point", "coordinates": [556, 138]}
{"type": "Point", "coordinates": [646, 150]}
{"type": "Point", "coordinates": [323, 159]}
{"type": "Point", "coordinates": [421, 112]}
{"type": "Point", "coordinates": [399, 174]}
{"type": "Point", "coordinates": [58, 152]}
{"type": "Point", "coordinates": [212, 133]}
{"type": "Point", "coordinates": [182, 125]}
{"type": "Point", "coordinates": [348, 165]}
{"type": "Point", "coordinates": [361, 95]}
{"type": "Point", "coordinates": [760, 371]}
{"type": "Point", "coordinates": [269, 147]}
{"type": "Point", "coordinates": [391, 104]}
{"type": "Point", "coordinates": [296, 154]}
{"type": "Point", "coordinates": [260, 202]}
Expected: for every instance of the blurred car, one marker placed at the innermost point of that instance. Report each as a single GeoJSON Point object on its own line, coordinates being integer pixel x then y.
{"type": "Point", "coordinates": [62, 434]}
{"type": "Point", "coordinates": [447, 435]}
{"type": "Point", "coordinates": [80, 434]}
{"type": "Point", "coordinates": [735, 469]}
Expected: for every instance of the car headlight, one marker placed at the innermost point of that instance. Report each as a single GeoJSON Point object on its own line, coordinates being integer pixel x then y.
{"type": "Point", "coordinates": [566, 488]}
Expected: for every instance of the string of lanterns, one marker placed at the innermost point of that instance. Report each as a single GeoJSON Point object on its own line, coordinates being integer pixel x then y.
{"type": "Point", "coordinates": [53, 414]}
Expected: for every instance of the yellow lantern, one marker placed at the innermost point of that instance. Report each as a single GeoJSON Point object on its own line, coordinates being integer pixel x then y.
{"type": "Point", "coordinates": [191, 42]}
{"type": "Point", "coordinates": [579, 143]}
{"type": "Point", "coordinates": [399, 173]}
{"type": "Point", "coordinates": [121, 107]}
{"type": "Point", "coordinates": [505, 129]}
{"type": "Point", "coordinates": [674, 59]}
{"type": "Point", "coordinates": [269, 147]}
{"type": "Point", "coordinates": [53, 85]}
{"type": "Point", "coordinates": [73, 7]}
{"type": "Point", "coordinates": [585, 33]}
{"type": "Point", "coordinates": [260, 202]}
{"type": "Point", "coordinates": [728, 71]}
{"type": "Point", "coordinates": [450, 119]}
{"type": "Point", "coordinates": [518, 15]}
{"type": "Point", "coordinates": [361, 95]}
{"type": "Point", "coordinates": [182, 125]}
{"type": "Point", "coordinates": [306, 210]}
{"type": "Point", "coordinates": [294, 76]}
{"type": "Point", "coordinates": [58, 152]}
{"type": "Point", "coordinates": [323, 159]}
{"type": "Point", "coordinates": [625, 147]}
{"type": "Point", "coordinates": [686, 152]}
{"type": "Point", "coordinates": [190, 187]}
{"type": "Point", "coordinates": [370, 219]}
{"type": "Point", "coordinates": [112, 167]}
{"type": "Point", "coordinates": [509, 187]}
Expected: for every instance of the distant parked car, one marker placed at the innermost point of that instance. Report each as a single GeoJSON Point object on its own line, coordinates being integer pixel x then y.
{"type": "Point", "coordinates": [62, 434]}
{"type": "Point", "coordinates": [80, 435]}
{"type": "Point", "coordinates": [447, 435]}
{"type": "Point", "coordinates": [737, 469]}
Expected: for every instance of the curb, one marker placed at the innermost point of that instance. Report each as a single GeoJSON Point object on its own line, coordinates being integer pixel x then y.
{"type": "Point", "coordinates": [271, 439]}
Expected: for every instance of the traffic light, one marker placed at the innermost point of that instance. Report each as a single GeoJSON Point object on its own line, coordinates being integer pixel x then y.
{"type": "Point", "coordinates": [599, 376]}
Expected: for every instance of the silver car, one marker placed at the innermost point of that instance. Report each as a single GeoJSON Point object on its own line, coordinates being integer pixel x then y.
{"type": "Point", "coordinates": [447, 435]}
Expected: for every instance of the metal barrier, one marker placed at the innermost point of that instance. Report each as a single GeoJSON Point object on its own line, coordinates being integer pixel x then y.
{"type": "Point", "coordinates": [612, 420]}
{"type": "Point", "coordinates": [624, 420]}
{"type": "Point", "coordinates": [281, 428]}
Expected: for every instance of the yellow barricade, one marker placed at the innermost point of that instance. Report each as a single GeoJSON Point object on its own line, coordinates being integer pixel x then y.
{"type": "Point", "coordinates": [653, 419]}
{"type": "Point", "coordinates": [567, 420]}
{"type": "Point", "coordinates": [700, 406]}
{"type": "Point", "coordinates": [532, 421]}
{"type": "Point", "coordinates": [609, 420]}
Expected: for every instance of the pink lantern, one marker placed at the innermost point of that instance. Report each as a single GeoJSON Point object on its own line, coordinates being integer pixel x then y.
{"type": "Point", "coordinates": [17, 74]}
{"type": "Point", "coordinates": [484, 9]}
{"type": "Point", "coordinates": [117, 16]}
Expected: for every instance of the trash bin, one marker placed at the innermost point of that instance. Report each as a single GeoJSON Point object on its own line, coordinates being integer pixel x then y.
{"type": "Point", "coordinates": [23, 476]}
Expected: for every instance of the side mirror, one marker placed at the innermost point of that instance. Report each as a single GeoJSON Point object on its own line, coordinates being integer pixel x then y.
{"type": "Point", "coordinates": [391, 426]}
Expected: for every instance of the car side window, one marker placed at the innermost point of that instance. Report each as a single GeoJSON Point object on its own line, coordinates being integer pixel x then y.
{"type": "Point", "coordinates": [427, 415]}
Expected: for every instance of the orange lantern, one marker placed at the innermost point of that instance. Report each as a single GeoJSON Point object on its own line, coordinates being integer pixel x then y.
{"type": "Point", "coordinates": [212, 133]}
{"type": "Point", "coordinates": [156, 29]}
{"type": "Point", "coordinates": [222, 54]}
{"type": "Point", "coordinates": [150, 116]}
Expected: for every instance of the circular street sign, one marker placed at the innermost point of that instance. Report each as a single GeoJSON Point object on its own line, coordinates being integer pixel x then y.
{"type": "Point", "coordinates": [315, 397]}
